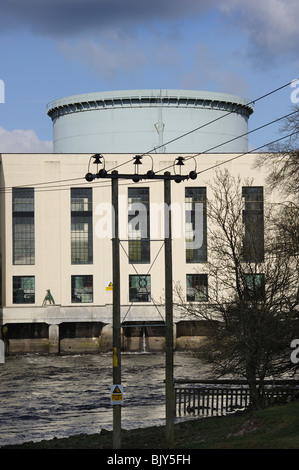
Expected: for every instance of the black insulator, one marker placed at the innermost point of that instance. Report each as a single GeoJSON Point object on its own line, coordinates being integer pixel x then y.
{"type": "Point", "coordinates": [193, 175]}
{"type": "Point", "coordinates": [102, 173]}
{"type": "Point", "coordinates": [89, 177]}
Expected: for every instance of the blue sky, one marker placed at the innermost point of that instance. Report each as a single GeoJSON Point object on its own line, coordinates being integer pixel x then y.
{"type": "Point", "coordinates": [56, 48]}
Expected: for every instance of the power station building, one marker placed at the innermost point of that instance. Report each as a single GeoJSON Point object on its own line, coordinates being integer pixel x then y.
{"type": "Point", "coordinates": [56, 250]}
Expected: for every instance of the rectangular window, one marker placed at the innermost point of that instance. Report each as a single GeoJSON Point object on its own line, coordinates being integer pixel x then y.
{"type": "Point", "coordinates": [82, 289]}
{"type": "Point", "coordinates": [139, 225]}
{"type": "Point", "coordinates": [81, 226]}
{"type": "Point", "coordinates": [139, 288]}
{"type": "Point", "coordinates": [196, 225]}
{"type": "Point", "coordinates": [197, 287]}
{"type": "Point", "coordinates": [23, 226]}
{"type": "Point", "coordinates": [23, 290]}
{"type": "Point", "coordinates": [253, 218]}
{"type": "Point", "coordinates": [254, 286]}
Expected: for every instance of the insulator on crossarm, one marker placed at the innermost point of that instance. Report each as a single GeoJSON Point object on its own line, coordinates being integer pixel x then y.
{"type": "Point", "coordinates": [89, 177]}
{"type": "Point", "coordinates": [193, 175]}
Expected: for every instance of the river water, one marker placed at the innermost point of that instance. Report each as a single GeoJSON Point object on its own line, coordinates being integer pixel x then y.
{"type": "Point", "coordinates": [58, 396]}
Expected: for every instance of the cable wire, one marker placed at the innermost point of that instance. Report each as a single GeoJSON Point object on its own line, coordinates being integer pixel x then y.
{"type": "Point", "coordinates": [8, 189]}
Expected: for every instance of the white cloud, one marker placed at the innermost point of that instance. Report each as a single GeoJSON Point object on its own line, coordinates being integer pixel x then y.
{"type": "Point", "coordinates": [210, 71]}
{"type": "Point", "coordinates": [105, 57]}
{"type": "Point", "coordinates": [271, 25]}
{"type": "Point", "coordinates": [23, 141]}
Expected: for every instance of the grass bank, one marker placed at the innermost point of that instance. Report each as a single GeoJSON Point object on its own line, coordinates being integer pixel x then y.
{"type": "Point", "coordinates": [272, 428]}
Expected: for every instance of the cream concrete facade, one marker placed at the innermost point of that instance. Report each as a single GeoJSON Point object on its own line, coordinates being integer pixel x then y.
{"type": "Point", "coordinates": [52, 176]}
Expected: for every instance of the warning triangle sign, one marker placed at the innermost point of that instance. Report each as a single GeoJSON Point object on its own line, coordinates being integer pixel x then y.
{"type": "Point", "coordinates": [116, 390]}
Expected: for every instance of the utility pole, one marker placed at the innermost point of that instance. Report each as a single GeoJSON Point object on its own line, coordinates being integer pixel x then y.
{"type": "Point", "coordinates": [169, 388]}
{"type": "Point", "coordinates": [169, 382]}
{"type": "Point", "coordinates": [116, 312]}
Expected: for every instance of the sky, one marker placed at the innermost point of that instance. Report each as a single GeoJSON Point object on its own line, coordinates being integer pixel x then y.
{"type": "Point", "coordinates": [50, 49]}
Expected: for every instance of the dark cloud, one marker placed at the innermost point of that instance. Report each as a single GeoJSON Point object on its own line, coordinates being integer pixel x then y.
{"type": "Point", "coordinates": [64, 18]}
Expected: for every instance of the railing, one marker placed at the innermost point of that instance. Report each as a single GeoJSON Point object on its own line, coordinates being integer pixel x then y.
{"type": "Point", "coordinates": [218, 398]}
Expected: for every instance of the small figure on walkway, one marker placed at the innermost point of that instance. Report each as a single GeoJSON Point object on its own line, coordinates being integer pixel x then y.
{"type": "Point", "coordinates": [48, 298]}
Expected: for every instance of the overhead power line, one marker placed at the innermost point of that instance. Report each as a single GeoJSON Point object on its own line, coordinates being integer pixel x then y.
{"type": "Point", "coordinates": [44, 186]}
{"type": "Point", "coordinates": [238, 106]}
{"type": "Point", "coordinates": [235, 157]}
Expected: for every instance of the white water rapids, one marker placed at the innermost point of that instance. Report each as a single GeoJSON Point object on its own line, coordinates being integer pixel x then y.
{"type": "Point", "coordinates": [57, 396]}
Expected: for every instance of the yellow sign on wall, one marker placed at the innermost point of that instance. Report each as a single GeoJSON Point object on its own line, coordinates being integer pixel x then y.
{"type": "Point", "coordinates": [110, 286]}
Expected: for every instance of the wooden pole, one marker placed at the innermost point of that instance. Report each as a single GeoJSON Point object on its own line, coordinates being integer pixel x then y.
{"type": "Point", "coordinates": [116, 313]}
{"type": "Point", "coordinates": [169, 385]}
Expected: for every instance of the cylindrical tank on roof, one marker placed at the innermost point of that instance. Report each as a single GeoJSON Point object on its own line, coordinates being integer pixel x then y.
{"type": "Point", "coordinates": [140, 121]}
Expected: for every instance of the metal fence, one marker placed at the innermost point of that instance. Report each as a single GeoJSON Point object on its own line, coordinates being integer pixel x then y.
{"type": "Point", "coordinates": [218, 398]}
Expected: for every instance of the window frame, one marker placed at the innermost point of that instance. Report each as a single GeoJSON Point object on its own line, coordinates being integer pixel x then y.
{"type": "Point", "coordinates": [139, 251]}
{"type": "Point", "coordinates": [256, 292]}
{"type": "Point", "coordinates": [202, 293]}
{"type": "Point", "coordinates": [17, 284]}
{"type": "Point", "coordinates": [81, 216]}
{"type": "Point", "coordinates": [88, 278]}
{"type": "Point", "coordinates": [194, 195]}
{"type": "Point", "coordinates": [23, 226]}
{"type": "Point", "coordinates": [140, 295]}
{"type": "Point", "coordinates": [253, 220]}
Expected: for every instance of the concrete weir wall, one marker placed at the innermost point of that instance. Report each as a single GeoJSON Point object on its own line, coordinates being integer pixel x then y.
{"type": "Point", "coordinates": [96, 337]}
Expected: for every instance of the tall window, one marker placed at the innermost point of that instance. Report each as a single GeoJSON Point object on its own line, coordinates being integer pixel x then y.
{"type": "Point", "coordinates": [23, 226]}
{"type": "Point", "coordinates": [82, 289]}
{"type": "Point", "coordinates": [139, 288]}
{"type": "Point", "coordinates": [138, 225]}
{"type": "Point", "coordinates": [253, 218]}
{"type": "Point", "coordinates": [196, 225]}
{"type": "Point", "coordinates": [81, 226]}
{"type": "Point", "coordinates": [23, 290]}
{"type": "Point", "coordinates": [197, 287]}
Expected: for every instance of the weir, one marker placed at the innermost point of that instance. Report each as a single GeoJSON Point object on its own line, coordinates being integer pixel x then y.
{"type": "Point", "coordinates": [96, 337]}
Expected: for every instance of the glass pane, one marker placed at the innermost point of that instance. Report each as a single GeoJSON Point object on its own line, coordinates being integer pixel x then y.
{"type": "Point", "coordinates": [82, 289]}
{"type": "Point", "coordinates": [23, 289]}
{"type": "Point", "coordinates": [139, 225]}
{"type": "Point", "coordinates": [195, 225]}
{"type": "Point", "coordinates": [197, 287]}
{"type": "Point", "coordinates": [139, 288]}
{"type": "Point", "coordinates": [81, 226]}
{"type": "Point", "coordinates": [23, 226]}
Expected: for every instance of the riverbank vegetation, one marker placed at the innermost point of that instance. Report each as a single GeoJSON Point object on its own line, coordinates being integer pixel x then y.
{"type": "Point", "coordinates": [271, 428]}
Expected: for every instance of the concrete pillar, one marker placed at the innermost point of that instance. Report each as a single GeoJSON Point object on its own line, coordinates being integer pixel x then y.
{"type": "Point", "coordinates": [106, 339]}
{"type": "Point", "coordinates": [174, 335]}
{"type": "Point", "coordinates": [54, 339]}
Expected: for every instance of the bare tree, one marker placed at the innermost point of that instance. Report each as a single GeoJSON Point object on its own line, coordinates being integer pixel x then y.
{"type": "Point", "coordinates": [282, 166]}
{"type": "Point", "coordinates": [252, 296]}
{"type": "Point", "coordinates": [282, 161]}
